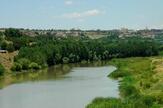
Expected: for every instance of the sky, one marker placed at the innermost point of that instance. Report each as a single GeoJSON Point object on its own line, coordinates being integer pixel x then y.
{"type": "Point", "coordinates": [81, 14]}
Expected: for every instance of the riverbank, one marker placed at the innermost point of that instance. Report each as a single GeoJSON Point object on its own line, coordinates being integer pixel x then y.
{"type": "Point", "coordinates": [141, 84]}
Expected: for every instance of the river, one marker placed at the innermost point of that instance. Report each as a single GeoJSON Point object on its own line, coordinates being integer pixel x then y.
{"type": "Point", "coordinates": [63, 86]}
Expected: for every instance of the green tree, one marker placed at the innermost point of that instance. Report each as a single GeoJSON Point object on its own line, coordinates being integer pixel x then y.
{"type": "Point", "coordinates": [11, 32]}
{"type": "Point", "coordinates": [72, 58]}
{"type": "Point", "coordinates": [58, 58]}
{"type": "Point", "coordinates": [2, 70]}
{"type": "Point", "coordinates": [106, 55]}
{"type": "Point", "coordinates": [4, 45]}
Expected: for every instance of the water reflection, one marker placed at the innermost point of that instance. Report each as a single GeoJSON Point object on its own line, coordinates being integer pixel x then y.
{"type": "Point", "coordinates": [52, 73]}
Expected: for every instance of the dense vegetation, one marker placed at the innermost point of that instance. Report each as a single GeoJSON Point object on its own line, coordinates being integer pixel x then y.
{"type": "Point", "coordinates": [139, 86]}
{"type": "Point", "coordinates": [50, 51]}
{"type": "Point", "coordinates": [13, 40]}
{"type": "Point", "coordinates": [41, 51]}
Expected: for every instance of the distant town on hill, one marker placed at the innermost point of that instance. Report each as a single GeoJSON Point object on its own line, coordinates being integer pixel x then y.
{"type": "Point", "coordinates": [121, 33]}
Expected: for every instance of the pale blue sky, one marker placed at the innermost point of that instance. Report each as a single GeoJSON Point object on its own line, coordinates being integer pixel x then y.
{"type": "Point", "coordinates": [83, 14]}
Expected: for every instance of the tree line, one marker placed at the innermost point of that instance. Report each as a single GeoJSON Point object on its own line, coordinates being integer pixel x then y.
{"type": "Point", "coordinates": [50, 51]}
{"type": "Point", "coordinates": [41, 51]}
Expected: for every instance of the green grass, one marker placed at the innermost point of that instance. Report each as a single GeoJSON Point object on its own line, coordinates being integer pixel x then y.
{"type": "Point", "coordinates": [139, 86]}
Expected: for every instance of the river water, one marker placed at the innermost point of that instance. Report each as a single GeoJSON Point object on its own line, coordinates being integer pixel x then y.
{"type": "Point", "coordinates": [64, 86]}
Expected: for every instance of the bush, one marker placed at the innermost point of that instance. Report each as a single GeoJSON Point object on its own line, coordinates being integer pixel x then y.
{"type": "Point", "coordinates": [65, 60]}
{"type": "Point", "coordinates": [25, 63]}
{"type": "Point", "coordinates": [34, 65]}
{"type": "Point", "coordinates": [148, 100]}
{"type": "Point", "coordinates": [128, 90]}
{"type": "Point", "coordinates": [147, 85]}
{"type": "Point", "coordinates": [159, 98]}
{"type": "Point", "coordinates": [2, 70]}
{"type": "Point", "coordinates": [119, 74]}
{"type": "Point", "coordinates": [84, 62]}
{"type": "Point", "coordinates": [16, 67]}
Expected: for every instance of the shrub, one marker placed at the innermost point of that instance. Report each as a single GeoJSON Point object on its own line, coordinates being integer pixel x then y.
{"type": "Point", "coordinates": [119, 74]}
{"type": "Point", "coordinates": [16, 67]}
{"type": "Point", "coordinates": [128, 90]}
{"type": "Point", "coordinates": [146, 84]}
{"type": "Point", "coordinates": [34, 65]}
{"type": "Point", "coordinates": [65, 60]}
{"type": "Point", "coordinates": [25, 63]}
{"type": "Point", "coordinates": [84, 62]}
{"type": "Point", "coordinates": [148, 100]}
{"type": "Point", "coordinates": [2, 70]}
{"type": "Point", "coordinates": [143, 102]}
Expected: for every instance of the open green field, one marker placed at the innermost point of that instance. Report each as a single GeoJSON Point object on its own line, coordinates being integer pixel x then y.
{"type": "Point", "coordinates": [141, 84]}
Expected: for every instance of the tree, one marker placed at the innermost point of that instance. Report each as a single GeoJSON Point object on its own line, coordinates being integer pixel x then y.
{"type": "Point", "coordinates": [4, 45]}
{"type": "Point", "coordinates": [105, 55]}
{"type": "Point", "coordinates": [51, 51]}
{"type": "Point", "coordinates": [72, 58]}
{"type": "Point", "coordinates": [2, 70]}
{"type": "Point", "coordinates": [11, 32]}
{"type": "Point", "coordinates": [95, 58]}
{"type": "Point", "coordinates": [58, 58]}
{"type": "Point", "coordinates": [90, 55]}
{"type": "Point", "coordinates": [1, 36]}
{"type": "Point", "coordinates": [34, 65]}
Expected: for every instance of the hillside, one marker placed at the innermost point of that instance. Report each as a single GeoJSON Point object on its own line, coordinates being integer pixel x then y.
{"type": "Point", "coordinates": [6, 59]}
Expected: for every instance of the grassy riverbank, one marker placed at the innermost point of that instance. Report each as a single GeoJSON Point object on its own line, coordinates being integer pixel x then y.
{"type": "Point", "coordinates": [141, 84]}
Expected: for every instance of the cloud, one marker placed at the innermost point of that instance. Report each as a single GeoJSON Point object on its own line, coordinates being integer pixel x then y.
{"type": "Point", "coordinates": [81, 15]}
{"type": "Point", "coordinates": [68, 2]}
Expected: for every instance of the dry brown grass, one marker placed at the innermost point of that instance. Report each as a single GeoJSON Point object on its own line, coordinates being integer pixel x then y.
{"type": "Point", "coordinates": [158, 65]}
{"type": "Point", "coordinates": [6, 59]}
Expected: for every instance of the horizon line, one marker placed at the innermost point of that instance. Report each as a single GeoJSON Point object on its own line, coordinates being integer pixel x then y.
{"type": "Point", "coordinates": [80, 28]}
